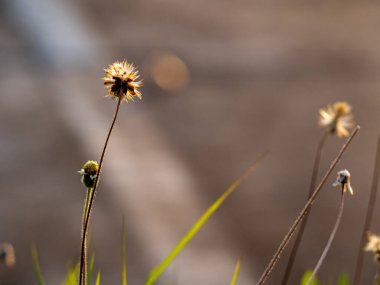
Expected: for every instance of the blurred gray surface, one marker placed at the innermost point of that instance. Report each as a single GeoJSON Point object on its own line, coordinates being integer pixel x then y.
{"type": "Point", "coordinates": [259, 72]}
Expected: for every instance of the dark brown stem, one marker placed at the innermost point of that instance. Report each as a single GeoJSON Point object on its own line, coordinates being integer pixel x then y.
{"type": "Point", "coordinates": [303, 212]}
{"type": "Point", "coordinates": [369, 215]}
{"type": "Point", "coordinates": [82, 276]}
{"type": "Point", "coordinates": [329, 242]}
{"type": "Point", "coordinates": [299, 236]}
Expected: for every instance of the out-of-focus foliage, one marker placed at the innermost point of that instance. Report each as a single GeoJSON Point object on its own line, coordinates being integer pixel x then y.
{"type": "Point", "coordinates": [342, 280]}
{"type": "Point", "coordinates": [236, 272]}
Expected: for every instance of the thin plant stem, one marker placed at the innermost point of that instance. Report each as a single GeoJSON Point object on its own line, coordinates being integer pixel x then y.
{"type": "Point", "coordinates": [329, 242]}
{"type": "Point", "coordinates": [82, 274]}
{"type": "Point", "coordinates": [303, 212]}
{"type": "Point", "coordinates": [369, 215]}
{"type": "Point", "coordinates": [123, 256]}
{"type": "Point", "coordinates": [299, 236]}
{"type": "Point", "coordinates": [86, 203]}
{"type": "Point", "coordinates": [376, 280]}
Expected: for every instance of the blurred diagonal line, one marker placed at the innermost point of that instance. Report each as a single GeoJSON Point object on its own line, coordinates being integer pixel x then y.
{"type": "Point", "coordinates": [59, 34]}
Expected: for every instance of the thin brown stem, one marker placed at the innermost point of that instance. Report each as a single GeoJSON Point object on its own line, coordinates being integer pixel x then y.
{"type": "Point", "coordinates": [299, 236]}
{"type": "Point", "coordinates": [303, 212]}
{"type": "Point", "coordinates": [329, 242]}
{"type": "Point", "coordinates": [82, 276]}
{"type": "Point", "coordinates": [376, 280]}
{"type": "Point", "coordinates": [369, 215]}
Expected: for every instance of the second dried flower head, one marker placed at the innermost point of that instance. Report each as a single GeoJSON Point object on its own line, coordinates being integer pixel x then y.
{"type": "Point", "coordinates": [122, 81]}
{"type": "Point", "coordinates": [337, 118]}
{"type": "Point", "coordinates": [344, 180]}
{"type": "Point", "coordinates": [373, 245]}
{"type": "Point", "coordinates": [7, 254]}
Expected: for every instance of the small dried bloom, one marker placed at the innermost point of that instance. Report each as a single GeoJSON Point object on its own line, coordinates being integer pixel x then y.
{"type": "Point", "coordinates": [337, 118]}
{"type": "Point", "coordinates": [121, 81]}
{"type": "Point", "coordinates": [373, 245]}
{"type": "Point", "coordinates": [89, 172]}
{"type": "Point", "coordinates": [344, 180]}
{"type": "Point", "coordinates": [7, 254]}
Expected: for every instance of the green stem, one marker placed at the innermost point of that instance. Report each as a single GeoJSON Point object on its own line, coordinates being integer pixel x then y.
{"type": "Point", "coordinates": [299, 236]}
{"type": "Point", "coordinates": [86, 203]}
{"type": "Point", "coordinates": [82, 275]}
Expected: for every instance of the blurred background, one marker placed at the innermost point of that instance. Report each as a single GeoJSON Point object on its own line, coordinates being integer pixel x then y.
{"type": "Point", "coordinates": [223, 81]}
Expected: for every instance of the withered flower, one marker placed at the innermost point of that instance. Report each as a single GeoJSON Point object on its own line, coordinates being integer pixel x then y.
{"type": "Point", "coordinates": [7, 254]}
{"type": "Point", "coordinates": [89, 171]}
{"type": "Point", "coordinates": [373, 245]}
{"type": "Point", "coordinates": [121, 81]}
{"type": "Point", "coordinates": [337, 118]}
{"type": "Point", "coordinates": [344, 180]}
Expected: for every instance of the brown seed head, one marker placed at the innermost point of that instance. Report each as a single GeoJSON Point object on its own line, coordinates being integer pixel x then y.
{"type": "Point", "coordinates": [121, 81]}
{"type": "Point", "coordinates": [373, 245]}
{"type": "Point", "coordinates": [337, 118]}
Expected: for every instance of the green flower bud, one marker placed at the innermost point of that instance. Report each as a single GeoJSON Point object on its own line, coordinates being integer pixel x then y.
{"type": "Point", "coordinates": [89, 172]}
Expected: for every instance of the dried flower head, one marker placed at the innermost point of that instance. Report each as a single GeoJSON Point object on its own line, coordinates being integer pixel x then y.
{"type": "Point", "coordinates": [89, 171]}
{"type": "Point", "coordinates": [121, 81]}
{"type": "Point", "coordinates": [337, 118]}
{"type": "Point", "coordinates": [344, 179]}
{"type": "Point", "coordinates": [7, 254]}
{"type": "Point", "coordinates": [373, 245]}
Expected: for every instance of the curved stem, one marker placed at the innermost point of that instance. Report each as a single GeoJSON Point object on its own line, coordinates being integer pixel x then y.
{"type": "Point", "coordinates": [82, 276]}
{"type": "Point", "coordinates": [369, 215]}
{"type": "Point", "coordinates": [329, 242]}
{"type": "Point", "coordinates": [303, 212]}
{"type": "Point", "coordinates": [299, 236]}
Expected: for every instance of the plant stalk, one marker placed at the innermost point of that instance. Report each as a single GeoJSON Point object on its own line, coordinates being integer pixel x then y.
{"type": "Point", "coordinates": [82, 276]}
{"type": "Point", "coordinates": [369, 215]}
{"type": "Point", "coordinates": [329, 242]}
{"type": "Point", "coordinates": [301, 231]}
{"type": "Point", "coordinates": [376, 280]}
{"type": "Point", "coordinates": [303, 212]}
{"type": "Point", "coordinates": [86, 203]}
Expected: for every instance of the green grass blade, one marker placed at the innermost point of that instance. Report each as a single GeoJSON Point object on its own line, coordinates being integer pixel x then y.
{"type": "Point", "coordinates": [343, 279]}
{"type": "Point", "coordinates": [72, 276]}
{"type": "Point", "coordinates": [306, 277]}
{"type": "Point", "coordinates": [236, 272]}
{"type": "Point", "coordinates": [123, 254]}
{"type": "Point", "coordinates": [97, 282]}
{"type": "Point", "coordinates": [36, 265]}
{"type": "Point", "coordinates": [90, 268]}
{"type": "Point", "coordinates": [160, 268]}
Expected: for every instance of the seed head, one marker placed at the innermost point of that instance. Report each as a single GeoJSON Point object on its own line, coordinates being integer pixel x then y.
{"type": "Point", "coordinates": [121, 81]}
{"type": "Point", "coordinates": [89, 172]}
{"type": "Point", "coordinates": [373, 245]}
{"type": "Point", "coordinates": [337, 118]}
{"type": "Point", "coordinates": [344, 180]}
{"type": "Point", "coordinates": [7, 254]}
